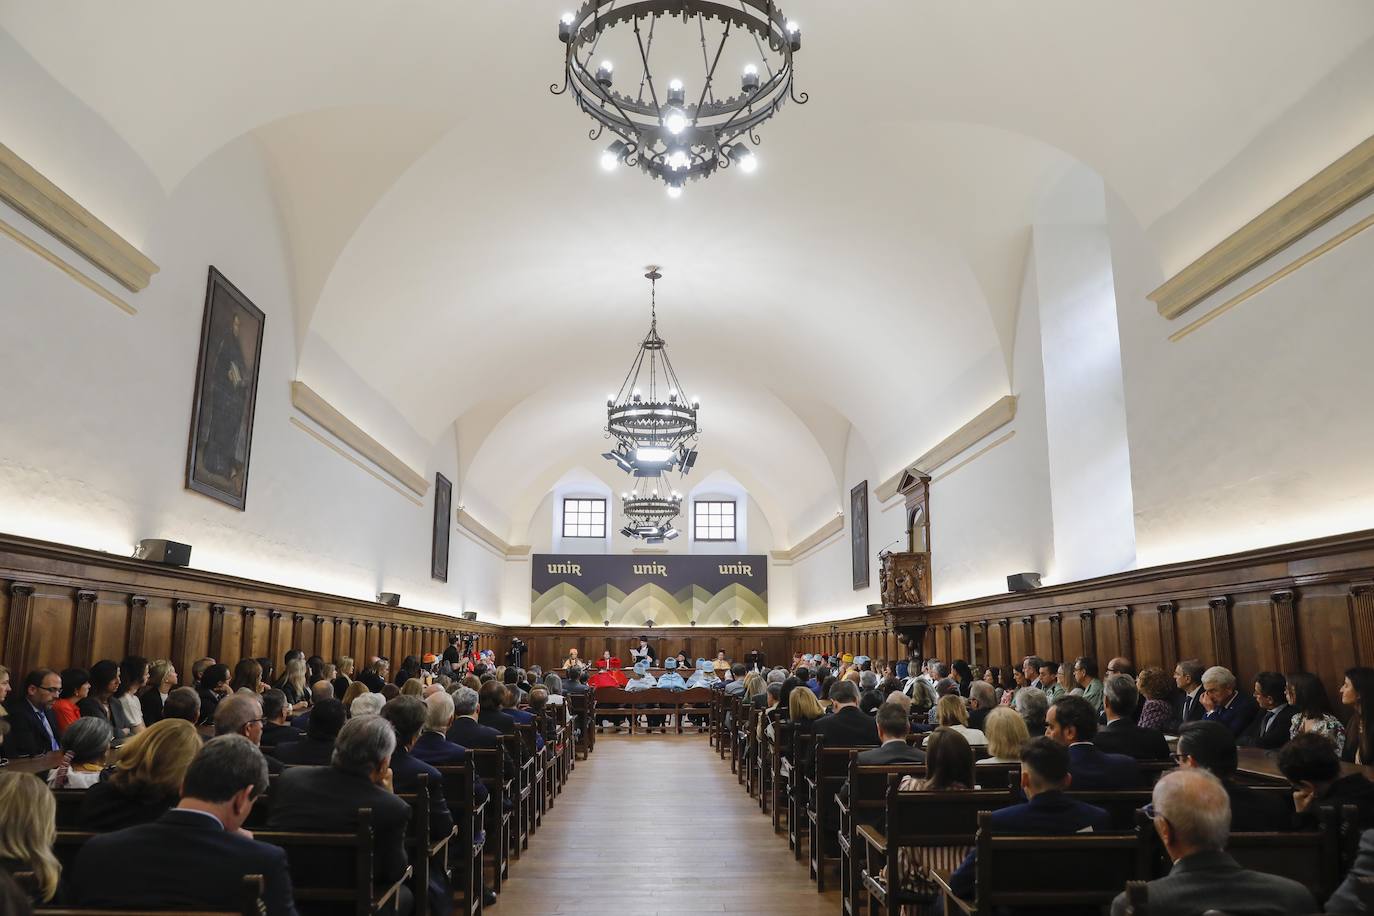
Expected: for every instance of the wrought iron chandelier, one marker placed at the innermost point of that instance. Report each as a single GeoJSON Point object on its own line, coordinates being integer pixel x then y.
{"type": "Point", "coordinates": [664, 133]}
{"type": "Point", "coordinates": [651, 420]}
{"type": "Point", "coordinates": [650, 512]}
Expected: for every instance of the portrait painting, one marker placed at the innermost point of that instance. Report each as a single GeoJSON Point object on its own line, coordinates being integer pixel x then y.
{"type": "Point", "coordinates": [443, 512]}
{"type": "Point", "coordinates": [226, 392]}
{"type": "Point", "coordinates": [858, 533]}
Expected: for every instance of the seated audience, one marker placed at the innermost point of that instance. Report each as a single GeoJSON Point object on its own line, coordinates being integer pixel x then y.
{"type": "Point", "coordinates": [413, 687]}
{"type": "Point", "coordinates": [317, 747]}
{"type": "Point", "coordinates": [241, 714]}
{"type": "Point", "coordinates": [1158, 710]}
{"type": "Point", "coordinates": [196, 854]}
{"type": "Point", "coordinates": [76, 684]}
{"type": "Point", "coordinates": [845, 725]}
{"type": "Point", "coordinates": [1310, 764]}
{"type": "Point", "coordinates": [162, 680]}
{"type": "Point", "coordinates": [893, 727]}
{"type": "Point", "coordinates": [104, 686]}
{"type": "Point", "coordinates": [1211, 746]}
{"type": "Point", "coordinates": [33, 724]}
{"type": "Point", "coordinates": [28, 828]}
{"type": "Point", "coordinates": [1359, 734]}
{"type": "Point", "coordinates": [275, 731]}
{"type": "Point", "coordinates": [467, 732]}
{"type": "Point", "coordinates": [354, 690]}
{"type": "Point", "coordinates": [1072, 722]}
{"type": "Point", "coordinates": [212, 687]}
{"type": "Point", "coordinates": [1192, 816]}
{"type": "Point", "coordinates": [146, 779]}
{"type": "Point", "coordinates": [344, 670]}
{"type": "Point", "coordinates": [247, 676]}
{"type": "Point", "coordinates": [952, 713]}
{"type": "Point", "coordinates": [949, 768]}
{"type": "Point", "coordinates": [1006, 732]}
{"type": "Point", "coordinates": [1121, 735]}
{"type": "Point", "coordinates": [1274, 725]}
{"type": "Point", "coordinates": [1087, 684]}
{"type": "Point", "coordinates": [1049, 681]}
{"type": "Point", "coordinates": [1032, 704]}
{"type": "Point", "coordinates": [182, 703]}
{"type": "Point", "coordinates": [322, 689]}
{"type": "Point", "coordinates": [199, 667]}
{"type": "Point", "coordinates": [1346, 899]}
{"type": "Point", "coordinates": [492, 697]}
{"type": "Point", "coordinates": [553, 685]}
{"type": "Point", "coordinates": [86, 742]}
{"type": "Point", "coordinates": [1045, 776]}
{"type": "Point", "coordinates": [368, 704]}
{"type": "Point", "coordinates": [1188, 700]}
{"type": "Point", "coordinates": [982, 699]}
{"type": "Point", "coordinates": [1312, 714]}
{"type": "Point", "coordinates": [1226, 704]}
{"type": "Point", "coordinates": [358, 775]}
{"type": "Point", "coordinates": [126, 710]}
{"type": "Point", "coordinates": [295, 686]}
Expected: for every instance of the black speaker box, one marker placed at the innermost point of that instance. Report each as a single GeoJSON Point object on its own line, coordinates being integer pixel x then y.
{"type": "Point", "coordinates": [1023, 582]}
{"type": "Point", "coordinates": [390, 599]}
{"type": "Point", "coordinates": [161, 550]}
{"type": "Point", "coordinates": [469, 615]}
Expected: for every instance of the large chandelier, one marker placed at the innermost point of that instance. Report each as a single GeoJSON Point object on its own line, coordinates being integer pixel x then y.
{"type": "Point", "coordinates": [650, 509]}
{"type": "Point", "coordinates": [651, 420]}
{"type": "Point", "coordinates": [677, 129]}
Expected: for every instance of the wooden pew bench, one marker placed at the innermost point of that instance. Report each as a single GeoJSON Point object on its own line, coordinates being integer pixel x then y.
{"type": "Point", "coordinates": [334, 872]}
{"type": "Point", "coordinates": [656, 701]}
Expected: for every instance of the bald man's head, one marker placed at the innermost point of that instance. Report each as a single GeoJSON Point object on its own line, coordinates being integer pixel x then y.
{"type": "Point", "coordinates": [1192, 812]}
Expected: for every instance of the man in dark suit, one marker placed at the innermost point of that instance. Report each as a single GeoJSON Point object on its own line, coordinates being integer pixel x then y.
{"type": "Point", "coordinates": [1072, 722]}
{"type": "Point", "coordinates": [1226, 704]}
{"type": "Point", "coordinates": [1045, 775]}
{"type": "Point", "coordinates": [327, 798]}
{"type": "Point", "coordinates": [470, 733]}
{"type": "Point", "coordinates": [320, 690]}
{"type": "Point", "coordinates": [893, 727]}
{"type": "Point", "coordinates": [241, 714]}
{"type": "Point", "coordinates": [195, 855]}
{"type": "Point", "coordinates": [1188, 677]}
{"type": "Point", "coordinates": [1121, 735]}
{"type": "Point", "coordinates": [317, 747]}
{"type": "Point", "coordinates": [1273, 726]}
{"type": "Point", "coordinates": [1310, 764]}
{"type": "Point", "coordinates": [1211, 746]}
{"type": "Point", "coordinates": [844, 726]}
{"type": "Point", "coordinates": [33, 725]}
{"type": "Point", "coordinates": [275, 731]}
{"type": "Point", "coordinates": [490, 700]}
{"type": "Point", "coordinates": [1192, 816]}
{"type": "Point", "coordinates": [433, 745]}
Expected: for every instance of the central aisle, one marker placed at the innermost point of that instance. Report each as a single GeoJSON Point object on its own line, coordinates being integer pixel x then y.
{"type": "Point", "coordinates": [657, 824]}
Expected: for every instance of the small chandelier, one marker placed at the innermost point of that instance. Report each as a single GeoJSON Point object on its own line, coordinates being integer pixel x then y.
{"type": "Point", "coordinates": [669, 136]}
{"type": "Point", "coordinates": [652, 422]}
{"type": "Point", "coordinates": [650, 513]}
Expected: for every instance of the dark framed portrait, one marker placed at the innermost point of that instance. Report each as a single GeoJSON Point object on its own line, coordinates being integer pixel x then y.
{"type": "Point", "coordinates": [443, 513]}
{"type": "Point", "coordinates": [226, 394]}
{"type": "Point", "coordinates": [858, 533]}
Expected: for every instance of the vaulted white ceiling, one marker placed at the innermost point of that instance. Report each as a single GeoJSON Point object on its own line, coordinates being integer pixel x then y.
{"type": "Point", "coordinates": [454, 242]}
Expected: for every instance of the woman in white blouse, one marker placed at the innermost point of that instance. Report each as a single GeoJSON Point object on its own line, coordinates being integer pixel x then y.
{"type": "Point", "coordinates": [86, 742]}
{"type": "Point", "coordinates": [952, 713]}
{"type": "Point", "coordinates": [126, 710]}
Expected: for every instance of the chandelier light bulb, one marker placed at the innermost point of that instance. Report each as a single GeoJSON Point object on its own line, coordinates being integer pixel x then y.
{"type": "Point", "coordinates": [749, 82]}
{"type": "Point", "coordinates": [609, 161]}
{"type": "Point", "coordinates": [678, 159]}
{"type": "Point", "coordinates": [676, 94]}
{"type": "Point", "coordinates": [674, 192]}
{"type": "Point", "coordinates": [565, 29]}
{"type": "Point", "coordinates": [749, 164]}
{"type": "Point", "coordinates": [672, 394]}
{"type": "Point", "coordinates": [792, 27]}
{"type": "Point", "coordinates": [604, 73]}
{"type": "Point", "coordinates": [675, 121]}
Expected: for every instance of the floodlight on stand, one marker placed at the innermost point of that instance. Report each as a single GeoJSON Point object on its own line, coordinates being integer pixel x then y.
{"type": "Point", "coordinates": [651, 455]}
{"type": "Point", "coordinates": [671, 534]}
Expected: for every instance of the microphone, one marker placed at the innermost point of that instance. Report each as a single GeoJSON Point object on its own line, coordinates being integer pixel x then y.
{"type": "Point", "coordinates": [880, 550]}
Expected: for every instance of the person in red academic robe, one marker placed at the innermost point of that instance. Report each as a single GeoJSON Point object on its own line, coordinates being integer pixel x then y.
{"type": "Point", "coordinates": [608, 674]}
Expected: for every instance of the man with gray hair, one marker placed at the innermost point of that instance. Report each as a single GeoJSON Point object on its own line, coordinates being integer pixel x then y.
{"type": "Point", "coordinates": [1224, 703]}
{"type": "Point", "coordinates": [327, 799]}
{"type": "Point", "coordinates": [320, 690]}
{"type": "Point", "coordinates": [368, 704]}
{"type": "Point", "coordinates": [982, 699]}
{"type": "Point", "coordinates": [1032, 704]}
{"type": "Point", "coordinates": [1192, 815]}
{"type": "Point", "coordinates": [1188, 678]}
{"type": "Point", "coordinates": [241, 714]}
{"type": "Point", "coordinates": [1121, 735]}
{"type": "Point", "coordinates": [1030, 667]}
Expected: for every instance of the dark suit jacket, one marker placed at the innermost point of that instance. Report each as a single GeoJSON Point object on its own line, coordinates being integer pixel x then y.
{"type": "Point", "coordinates": [274, 735]}
{"type": "Point", "coordinates": [105, 807]}
{"type": "Point", "coordinates": [183, 859]}
{"type": "Point", "coordinates": [151, 702]}
{"type": "Point", "coordinates": [1191, 709]}
{"type": "Point", "coordinates": [1123, 736]}
{"type": "Point", "coordinates": [1092, 769]}
{"type": "Point", "coordinates": [1049, 813]}
{"type": "Point", "coordinates": [1253, 811]}
{"type": "Point", "coordinates": [847, 728]}
{"type": "Point", "coordinates": [27, 738]}
{"type": "Point", "coordinates": [373, 680]}
{"type": "Point", "coordinates": [1237, 715]}
{"type": "Point", "coordinates": [497, 720]}
{"type": "Point", "coordinates": [1213, 880]}
{"type": "Point", "coordinates": [1346, 899]}
{"type": "Point", "coordinates": [1277, 732]}
{"type": "Point", "coordinates": [305, 752]}
{"type": "Point", "coordinates": [1355, 790]}
{"type": "Point", "coordinates": [472, 734]}
{"type": "Point", "coordinates": [327, 800]}
{"type": "Point", "coordinates": [405, 772]}
{"type": "Point", "coordinates": [892, 752]}
{"type": "Point", "coordinates": [437, 751]}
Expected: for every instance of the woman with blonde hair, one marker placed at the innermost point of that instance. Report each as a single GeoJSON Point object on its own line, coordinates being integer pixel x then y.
{"type": "Point", "coordinates": [146, 781]}
{"type": "Point", "coordinates": [951, 713]}
{"type": "Point", "coordinates": [294, 686]}
{"type": "Point", "coordinates": [343, 676]}
{"type": "Point", "coordinates": [28, 827]}
{"type": "Point", "coordinates": [162, 680]}
{"type": "Point", "coordinates": [802, 706]}
{"type": "Point", "coordinates": [355, 690]}
{"type": "Point", "coordinates": [247, 675]}
{"type": "Point", "coordinates": [413, 687]}
{"type": "Point", "coordinates": [1006, 732]}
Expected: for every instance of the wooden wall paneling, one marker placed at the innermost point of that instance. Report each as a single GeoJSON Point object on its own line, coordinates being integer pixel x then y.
{"type": "Point", "coordinates": [18, 627]}
{"type": "Point", "coordinates": [138, 626]}
{"type": "Point", "coordinates": [1026, 644]}
{"type": "Point", "coordinates": [1087, 625]}
{"type": "Point", "coordinates": [1252, 634]}
{"type": "Point", "coordinates": [1004, 641]}
{"type": "Point", "coordinates": [277, 637]}
{"type": "Point", "coordinates": [1125, 642]}
{"type": "Point", "coordinates": [83, 630]}
{"type": "Point", "coordinates": [181, 646]}
{"type": "Point", "coordinates": [110, 633]}
{"type": "Point", "coordinates": [218, 646]}
{"type": "Point", "coordinates": [248, 632]}
{"type": "Point", "coordinates": [1145, 637]}
{"type": "Point", "coordinates": [1168, 635]}
{"type": "Point", "coordinates": [157, 629]}
{"type": "Point", "coordinates": [1361, 601]}
{"type": "Point", "coordinates": [1193, 628]}
{"type": "Point", "coordinates": [1285, 628]}
{"type": "Point", "coordinates": [1056, 644]}
{"type": "Point", "coordinates": [967, 645]}
{"type": "Point", "coordinates": [1223, 649]}
{"type": "Point", "coordinates": [1328, 640]}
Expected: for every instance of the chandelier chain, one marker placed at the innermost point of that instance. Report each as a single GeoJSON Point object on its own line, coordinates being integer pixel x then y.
{"type": "Point", "coordinates": [644, 74]}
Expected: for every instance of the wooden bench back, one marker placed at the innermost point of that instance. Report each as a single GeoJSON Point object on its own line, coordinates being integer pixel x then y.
{"type": "Point", "coordinates": [937, 818]}
{"type": "Point", "coordinates": [68, 807]}
{"type": "Point", "coordinates": [868, 786]}
{"type": "Point", "coordinates": [330, 869]}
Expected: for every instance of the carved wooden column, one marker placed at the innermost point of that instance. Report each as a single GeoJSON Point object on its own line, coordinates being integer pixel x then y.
{"type": "Point", "coordinates": [1085, 619]}
{"type": "Point", "coordinates": [138, 624]}
{"type": "Point", "coordinates": [246, 634]}
{"type": "Point", "coordinates": [181, 622]}
{"type": "Point", "coordinates": [276, 624]}
{"type": "Point", "coordinates": [217, 646]}
{"type": "Point", "coordinates": [1057, 637]}
{"type": "Point", "coordinates": [1124, 640]}
{"type": "Point", "coordinates": [1222, 650]}
{"type": "Point", "coordinates": [949, 642]}
{"type": "Point", "coordinates": [83, 629]}
{"type": "Point", "coordinates": [319, 636]}
{"type": "Point", "coordinates": [966, 634]}
{"type": "Point", "coordinates": [1028, 633]}
{"type": "Point", "coordinates": [983, 628]}
{"type": "Point", "coordinates": [1283, 602]}
{"type": "Point", "coordinates": [297, 626]}
{"type": "Point", "coordinates": [1168, 634]}
{"type": "Point", "coordinates": [365, 656]}
{"type": "Point", "coordinates": [17, 633]}
{"type": "Point", "coordinates": [1362, 618]}
{"type": "Point", "coordinates": [1005, 626]}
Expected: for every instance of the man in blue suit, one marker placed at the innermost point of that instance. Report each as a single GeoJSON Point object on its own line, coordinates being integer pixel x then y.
{"type": "Point", "coordinates": [1224, 703]}
{"type": "Point", "coordinates": [196, 853]}
{"type": "Point", "coordinates": [33, 725]}
{"type": "Point", "coordinates": [1045, 775]}
{"type": "Point", "coordinates": [1072, 722]}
